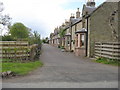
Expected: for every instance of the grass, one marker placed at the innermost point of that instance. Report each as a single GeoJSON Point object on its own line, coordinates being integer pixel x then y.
{"type": "Point", "coordinates": [20, 68]}
{"type": "Point", "coordinates": [108, 61]}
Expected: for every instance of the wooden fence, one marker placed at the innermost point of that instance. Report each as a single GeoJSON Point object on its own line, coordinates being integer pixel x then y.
{"type": "Point", "coordinates": [20, 50]}
{"type": "Point", "coordinates": [109, 50]}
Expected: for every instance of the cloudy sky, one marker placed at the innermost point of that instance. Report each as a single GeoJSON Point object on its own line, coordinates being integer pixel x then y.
{"type": "Point", "coordinates": [42, 15]}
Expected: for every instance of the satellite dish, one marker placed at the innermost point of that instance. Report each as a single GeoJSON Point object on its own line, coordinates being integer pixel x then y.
{"type": "Point", "coordinates": [1, 7]}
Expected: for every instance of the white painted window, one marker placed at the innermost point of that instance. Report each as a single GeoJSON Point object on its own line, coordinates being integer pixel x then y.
{"type": "Point", "coordinates": [82, 40]}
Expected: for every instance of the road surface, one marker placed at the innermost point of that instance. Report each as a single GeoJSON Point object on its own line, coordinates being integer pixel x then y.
{"type": "Point", "coordinates": [65, 70]}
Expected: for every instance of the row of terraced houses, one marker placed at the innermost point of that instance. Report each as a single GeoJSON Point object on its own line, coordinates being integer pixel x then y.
{"type": "Point", "coordinates": [94, 32]}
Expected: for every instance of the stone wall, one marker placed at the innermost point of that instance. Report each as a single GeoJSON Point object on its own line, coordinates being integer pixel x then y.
{"type": "Point", "coordinates": [99, 28]}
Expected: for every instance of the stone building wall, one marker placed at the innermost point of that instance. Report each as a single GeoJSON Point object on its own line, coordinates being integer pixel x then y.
{"type": "Point", "coordinates": [73, 38]}
{"type": "Point", "coordinates": [99, 28]}
{"type": "Point", "coordinates": [119, 21]}
{"type": "Point", "coordinates": [79, 26]}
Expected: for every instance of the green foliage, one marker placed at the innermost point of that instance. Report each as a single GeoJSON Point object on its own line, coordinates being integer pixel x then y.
{"type": "Point", "coordinates": [58, 46]}
{"type": "Point", "coordinates": [37, 38]}
{"type": "Point", "coordinates": [7, 38]}
{"type": "Point", "coordinates": [19, 31]}
{"type": "Point", "coordinates": [107, 61]}
{"type": "Point", "coordinates": [20, 68]}
{"type": "Point", "coordinates": [46, 40]}
{"type": "Point", "coordinates": [8, 60]}
{"type": "Point", "coordinates": [62, 33]}
{"type": "Point", "coordinates": [62, 47]}
{"type": "Point", "coordinates": [43, 40]}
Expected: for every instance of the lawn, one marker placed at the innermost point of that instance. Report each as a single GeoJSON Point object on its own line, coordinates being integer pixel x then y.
{"type": "Point", "coordinates": [20, 68]}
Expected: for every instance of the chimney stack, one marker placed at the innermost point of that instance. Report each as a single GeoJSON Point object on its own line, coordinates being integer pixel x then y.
{"type": "Point", "coordinates": [91, 3]}
{"type": "Point", "coordinates": [66, 22]}
{"type": "Point", "coordinates": [72, 16]}
{"type": "Point", "coordinates": [78, 13]}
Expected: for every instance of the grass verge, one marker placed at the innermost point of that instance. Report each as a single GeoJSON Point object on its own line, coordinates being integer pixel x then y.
{"type": "Point", "coordinates": [20, 68]}
{"type": "Point", "coordinates": [107, 61]}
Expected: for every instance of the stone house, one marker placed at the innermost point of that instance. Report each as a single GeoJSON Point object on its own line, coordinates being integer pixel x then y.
{"type": "Point", "coordinates": [82, 30]}
{"type": "Point", "coordinates": [95, 26]}
{"type": "Point", "coordinates": [103, 25]}
{"type": "Point", "coordinates": [74, 27]}
{"type": "Point", "coordinates": [55, 38]}
{"type": "Point", "coordinates": [70, 32]}
{"type": "Point", "coordinates": [67, 39]}
{"type": "Point", "coordinates": [71, 40]}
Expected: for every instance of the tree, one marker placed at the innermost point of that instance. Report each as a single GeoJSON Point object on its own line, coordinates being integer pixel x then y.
{"type": "Point", "coordinates": [19, 31]}
{"type": "Point", "coordinates": [45, 40]}
{"type": "Point", "coordinates": [4, 20]}
{"type": "Point", "coordinates": [62, 33]}
{"type": "Point", "coordinates": [37, 39]}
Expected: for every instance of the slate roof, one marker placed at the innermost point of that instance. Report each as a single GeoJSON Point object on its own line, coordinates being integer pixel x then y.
{"type": "Point", "coordinates": [77, 20]}
{"type": "Point", "coordinates": [89, 9]}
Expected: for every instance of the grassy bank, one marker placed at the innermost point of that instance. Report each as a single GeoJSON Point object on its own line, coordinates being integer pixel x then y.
{"type": "Point", "coordinates": [107, 61]}
{"type": "Point", "coordinates": [20, 68]}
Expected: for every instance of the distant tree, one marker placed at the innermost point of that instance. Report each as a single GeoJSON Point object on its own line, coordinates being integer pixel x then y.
{"type": "Point", "coordinates": [34, 38]}
{"type": "Point", "coordinates": [19, 31]}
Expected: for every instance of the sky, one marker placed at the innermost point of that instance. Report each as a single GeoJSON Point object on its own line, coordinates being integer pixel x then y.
{"type": "Point", "coordinates": [42, 15]}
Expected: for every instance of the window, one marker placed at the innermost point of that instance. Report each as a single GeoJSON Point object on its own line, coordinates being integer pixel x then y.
{"type": "Point", "coordinates": [82, 40]}
{"type": "Point", "coordinates": [68, 42]}
{"type": "Point", "coordinates": [68, 38]}
{"type": "Point", "coordinates": [77, 40]}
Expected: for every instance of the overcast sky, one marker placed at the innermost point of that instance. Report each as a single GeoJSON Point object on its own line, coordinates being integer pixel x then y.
{"type": "Point", "coordinates": [42, 15]}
